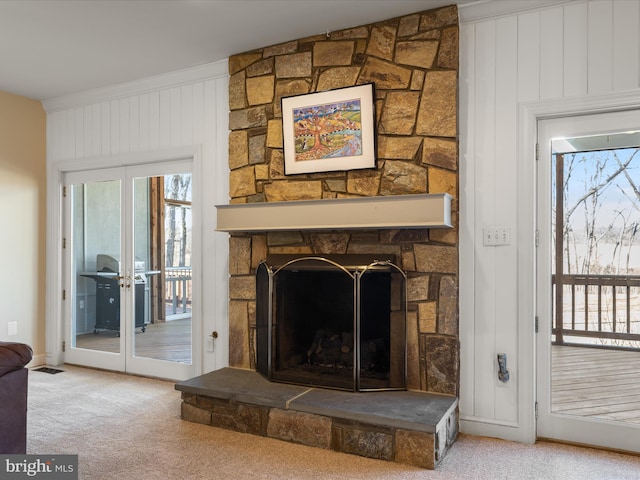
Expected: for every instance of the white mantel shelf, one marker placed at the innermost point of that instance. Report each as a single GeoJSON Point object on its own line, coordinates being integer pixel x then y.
{"type": "Point", "coordinates": [430, 210]}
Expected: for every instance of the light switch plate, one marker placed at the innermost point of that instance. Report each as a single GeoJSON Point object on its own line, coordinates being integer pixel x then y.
{"type": "Point", "coordinates": [496, 236]}
{"type": "Point", "coordinates": [12, 329]}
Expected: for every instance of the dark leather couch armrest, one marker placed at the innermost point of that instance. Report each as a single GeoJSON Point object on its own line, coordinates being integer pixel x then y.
{"type": "Point", "coordinates": [14, 356]}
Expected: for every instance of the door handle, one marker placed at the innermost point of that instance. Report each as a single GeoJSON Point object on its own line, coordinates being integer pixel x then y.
{"type": "Point", "coordinates": [124, 280]}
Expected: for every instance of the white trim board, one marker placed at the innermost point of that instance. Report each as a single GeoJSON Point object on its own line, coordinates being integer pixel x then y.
{"type": "Point", "coordinates": [487, 9]}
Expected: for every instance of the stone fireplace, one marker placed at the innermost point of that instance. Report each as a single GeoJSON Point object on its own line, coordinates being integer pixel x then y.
{"type": "Point", "coordinates": [413, 62]}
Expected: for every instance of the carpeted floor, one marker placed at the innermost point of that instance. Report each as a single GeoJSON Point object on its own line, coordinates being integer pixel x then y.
{"type": "Point", "coordinates": [129, 428]}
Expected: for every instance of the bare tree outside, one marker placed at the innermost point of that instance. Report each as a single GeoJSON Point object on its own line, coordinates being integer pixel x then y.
{"type": "Point", "coordinates": [178, 231]}
{"type": "Point", "coordinates": [601, 208]}
{"type": "Point", "coordinates": [600, 250]}
{"type": "Point", "coordinates": [178, 220]}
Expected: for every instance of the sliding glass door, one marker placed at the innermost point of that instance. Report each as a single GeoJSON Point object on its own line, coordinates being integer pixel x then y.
{"type": "Point", "coordinates": [129, 248]}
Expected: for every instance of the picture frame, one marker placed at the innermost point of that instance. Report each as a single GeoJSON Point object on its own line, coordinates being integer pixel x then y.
{"type": "Point", "coordinates": [329, 131]}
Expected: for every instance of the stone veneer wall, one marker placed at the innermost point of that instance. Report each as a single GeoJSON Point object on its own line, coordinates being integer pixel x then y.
{"type": "Point", "coordinates": [413, 62]}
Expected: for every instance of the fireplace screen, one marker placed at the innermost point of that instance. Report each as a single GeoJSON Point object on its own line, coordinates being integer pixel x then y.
{"type": "Point", "coordinates": [332, 321]}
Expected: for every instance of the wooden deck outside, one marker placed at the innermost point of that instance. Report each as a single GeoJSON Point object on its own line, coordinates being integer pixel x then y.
{"type": "Point", "coordinates": [163, 341]}
{"type": "Point", "coordinates": [596, 383]}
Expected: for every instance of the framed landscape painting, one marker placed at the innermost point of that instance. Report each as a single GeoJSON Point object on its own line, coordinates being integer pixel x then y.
{"type": "Point", "coordinates": [329, 131]}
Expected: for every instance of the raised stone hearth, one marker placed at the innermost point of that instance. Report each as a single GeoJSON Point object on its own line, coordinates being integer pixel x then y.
{"type": "Point", "coordinates": [415, 428]}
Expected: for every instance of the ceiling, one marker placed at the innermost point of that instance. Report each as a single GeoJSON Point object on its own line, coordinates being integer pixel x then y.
{"type": "Point", "coordinates": [51, 48]}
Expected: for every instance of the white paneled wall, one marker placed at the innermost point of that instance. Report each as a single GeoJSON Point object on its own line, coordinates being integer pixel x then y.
{"type": "Point", "coordinates": [178, 114]}
{"type": "Point", "coordinates": [155, 120]}
{"type": "Point", "coordinates": [552, 51]}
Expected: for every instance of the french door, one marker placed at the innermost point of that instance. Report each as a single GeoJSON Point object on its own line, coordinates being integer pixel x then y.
{"type": "Point", "coordinates": [129, 282]}
{"type": "Point", "coordinates": [588, 280]}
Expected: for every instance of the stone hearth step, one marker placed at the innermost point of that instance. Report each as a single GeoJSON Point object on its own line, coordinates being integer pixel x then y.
{"type": "Point", "coordinates": [409, 427]}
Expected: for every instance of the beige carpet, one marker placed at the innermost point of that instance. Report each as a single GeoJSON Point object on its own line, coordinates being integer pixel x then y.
{"type": "Point", "coordinates": [129, 428]}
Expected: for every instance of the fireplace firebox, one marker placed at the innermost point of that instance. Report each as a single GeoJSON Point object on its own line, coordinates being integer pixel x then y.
{"type": "Point", "coordinates": [334, 321]}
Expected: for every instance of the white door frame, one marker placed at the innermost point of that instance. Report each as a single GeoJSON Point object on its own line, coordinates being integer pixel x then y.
{"type": "Point", "coordinates": [598, 432]}
{"type": "Point", "coordinates": [528, 116]}
{"type": "Point", "coordinates": [55, 320]}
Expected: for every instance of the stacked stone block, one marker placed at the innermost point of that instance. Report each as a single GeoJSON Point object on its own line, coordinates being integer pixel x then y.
{"type": "Point", "coordinates": [412, 447]}
{"type": "Point", "coordinates": [413, 63]}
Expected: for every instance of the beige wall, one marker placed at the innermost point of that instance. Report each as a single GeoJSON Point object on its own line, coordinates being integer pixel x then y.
{"type": "Point", "coordinates": [22, 219]}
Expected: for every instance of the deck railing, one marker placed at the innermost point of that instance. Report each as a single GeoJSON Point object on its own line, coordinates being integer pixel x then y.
{"type": "Point", "coordinates": [602, 308]}
{"type": "Point", "coordinates": [178, 290]}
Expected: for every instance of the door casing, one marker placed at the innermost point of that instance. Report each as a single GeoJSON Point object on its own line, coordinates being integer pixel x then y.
{"type": "Point", "coordinates": [56, 309]}
{"type": "Point", "coordinates": [601, 433]}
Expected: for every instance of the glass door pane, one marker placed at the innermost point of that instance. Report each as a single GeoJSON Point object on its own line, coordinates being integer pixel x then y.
{"type": "Point", "coordinates": [162, 276]}
{"type": "Point", "coordinates": [596, 261]}
{"type": "Point", "coordinates": [588, 343]}
{"type": "Point", "coordinates": [96, 279]}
